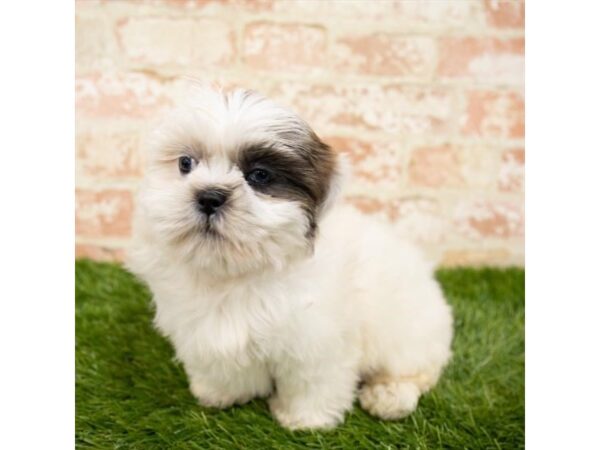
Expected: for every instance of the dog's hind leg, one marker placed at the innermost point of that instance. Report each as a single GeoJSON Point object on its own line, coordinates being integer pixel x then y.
{"type": "Point", "coordinates": [394, 396]}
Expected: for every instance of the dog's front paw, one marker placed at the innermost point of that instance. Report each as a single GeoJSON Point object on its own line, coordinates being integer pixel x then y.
{"type": "Point", "coordinates": [297, 418]}
{"type": "Point", "coordinates": [214, 398]}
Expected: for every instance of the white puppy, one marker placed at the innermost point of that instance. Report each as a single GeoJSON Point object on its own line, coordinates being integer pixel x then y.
{"type": "Point", "coordinates": [263, 286]}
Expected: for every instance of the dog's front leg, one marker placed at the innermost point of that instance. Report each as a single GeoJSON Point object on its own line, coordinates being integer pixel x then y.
{"type": "Point", "coordinates": [221, 386]}
{"type": "Point", "coordinates": [313, 394]}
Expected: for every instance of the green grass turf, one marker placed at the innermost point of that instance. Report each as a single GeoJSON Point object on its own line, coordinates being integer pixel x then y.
{"type": "Point", "coordinates": [132, 394]}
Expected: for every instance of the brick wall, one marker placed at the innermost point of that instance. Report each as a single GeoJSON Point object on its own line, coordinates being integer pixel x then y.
{"type": "Point", "coordinates": [426, 98]}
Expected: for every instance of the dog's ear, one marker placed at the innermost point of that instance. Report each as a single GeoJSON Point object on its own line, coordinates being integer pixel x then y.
{"type": "Point", "coordinates": [340, 168]}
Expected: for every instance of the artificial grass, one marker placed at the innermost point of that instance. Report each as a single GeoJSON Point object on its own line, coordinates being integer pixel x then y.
{"type": "Point", "coordinates": [131, 393]}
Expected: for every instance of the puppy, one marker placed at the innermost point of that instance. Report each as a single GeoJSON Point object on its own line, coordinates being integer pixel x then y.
{"type": "Point", "coordinates": [264, 286]}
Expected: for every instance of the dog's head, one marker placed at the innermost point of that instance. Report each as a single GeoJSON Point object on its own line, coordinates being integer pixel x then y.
{"type": "Point", "coordinates": [236, 183]}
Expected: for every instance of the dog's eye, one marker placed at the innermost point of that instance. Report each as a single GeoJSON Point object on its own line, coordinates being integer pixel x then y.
{"type": "Point", "coordinates": [186, 164]}
{"type": "Point", "coordinates": [259, 176]}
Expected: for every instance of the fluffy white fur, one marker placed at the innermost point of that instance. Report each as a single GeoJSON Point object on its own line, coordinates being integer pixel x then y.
{"type": "Point", "coordinates": [267, 311]}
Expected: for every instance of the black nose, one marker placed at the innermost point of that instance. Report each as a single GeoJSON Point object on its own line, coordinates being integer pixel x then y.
{"type": "Point", "coordinates": [211, 199]}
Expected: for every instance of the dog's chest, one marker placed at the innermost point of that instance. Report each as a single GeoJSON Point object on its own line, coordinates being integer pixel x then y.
{"type": "Point", "coordinates": [239, 323]}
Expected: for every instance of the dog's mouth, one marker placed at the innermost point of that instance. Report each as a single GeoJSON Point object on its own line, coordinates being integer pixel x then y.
{"type": "Point", "coordinates": [209, 229]}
